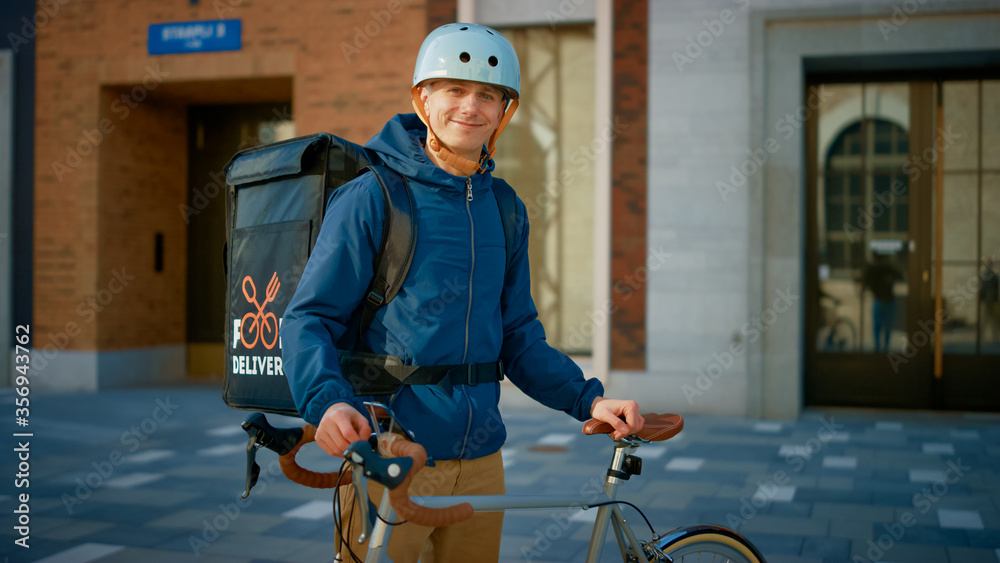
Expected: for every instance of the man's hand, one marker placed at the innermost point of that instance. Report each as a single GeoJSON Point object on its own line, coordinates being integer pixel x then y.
{"type": "Point", "coordinates": [608, 410]}
{"type": "Point", "coordinates": [341, 426]}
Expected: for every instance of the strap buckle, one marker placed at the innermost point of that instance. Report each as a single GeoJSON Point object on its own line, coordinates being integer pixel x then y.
{"type": "Point", "coordinates": [374, 299]}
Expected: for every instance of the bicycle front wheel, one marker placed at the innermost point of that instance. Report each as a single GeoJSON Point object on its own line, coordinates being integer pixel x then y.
{"type": "Point", "coordinates": [708, 543]}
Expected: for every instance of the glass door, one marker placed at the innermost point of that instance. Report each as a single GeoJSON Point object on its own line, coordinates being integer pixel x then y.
{"type": "Point", "coordinates": [897, 171]}
{"type": "Point", "coordinates": [969, 169]}
{"type": "Point", "coordinates": [861, 282]}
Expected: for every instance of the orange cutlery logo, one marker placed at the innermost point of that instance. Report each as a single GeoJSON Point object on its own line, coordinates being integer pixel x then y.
{"type": "Point", "coordinates": [260, 325]}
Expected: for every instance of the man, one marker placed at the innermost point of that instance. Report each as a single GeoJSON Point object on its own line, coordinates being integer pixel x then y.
{"type": "Point", "coordinates": [462, 303]}
{"type": "Point", "coordinates": [880, 277]}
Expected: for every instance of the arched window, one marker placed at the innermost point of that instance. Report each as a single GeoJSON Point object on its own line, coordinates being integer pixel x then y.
{"type": "Point", "coordinates": [865, 196]}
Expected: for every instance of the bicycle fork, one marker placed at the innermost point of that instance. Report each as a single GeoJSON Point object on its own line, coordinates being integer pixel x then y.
{"type": "Point", "coordinates": [623, 466]}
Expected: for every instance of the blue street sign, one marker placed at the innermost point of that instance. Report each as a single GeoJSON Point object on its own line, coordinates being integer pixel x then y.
{"type": "Point", "coordinates": [195, 37]}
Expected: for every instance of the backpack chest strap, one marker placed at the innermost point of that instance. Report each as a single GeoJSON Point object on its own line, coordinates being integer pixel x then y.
{"type": "Point", "coordinates": [380, 374]}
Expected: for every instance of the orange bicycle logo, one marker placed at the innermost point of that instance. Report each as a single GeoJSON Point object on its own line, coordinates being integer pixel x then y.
{"type": "Point", "coordinates": [260, 324]}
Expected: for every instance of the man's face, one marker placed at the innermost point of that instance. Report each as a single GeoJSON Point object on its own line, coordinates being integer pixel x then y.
{"type": "Point", "coordinates": [462, 114]}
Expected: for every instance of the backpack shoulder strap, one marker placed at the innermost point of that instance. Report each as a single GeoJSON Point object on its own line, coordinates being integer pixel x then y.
{"type": "Point", "coordinates": [399, 237]}
{"type": "Point", "coordinates": [505, 197]}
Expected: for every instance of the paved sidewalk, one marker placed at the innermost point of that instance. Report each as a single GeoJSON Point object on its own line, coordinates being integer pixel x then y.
{"type": "Point", "coordinates": [155, 475]}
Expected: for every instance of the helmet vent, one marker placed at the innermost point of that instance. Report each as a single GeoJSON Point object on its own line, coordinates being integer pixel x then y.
{"type": "Point", "coordinates": [466, 28]}
{"type": "Point", "coordinates": [493, 61]}
{"type": "Point", "coordinates": [464, 57]}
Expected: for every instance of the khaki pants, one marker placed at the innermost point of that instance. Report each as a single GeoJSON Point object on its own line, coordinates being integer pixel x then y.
{"type": "Point", "coordinates": [476, 539]}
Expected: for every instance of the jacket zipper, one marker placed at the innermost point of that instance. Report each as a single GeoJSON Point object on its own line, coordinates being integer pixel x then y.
{"type": "Point", "coordinates": [468, 313]}
{"type": "Point", "coordinates": [472, 268]}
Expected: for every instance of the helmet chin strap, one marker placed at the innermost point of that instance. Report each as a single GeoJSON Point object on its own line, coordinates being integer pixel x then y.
{"type": "Point", "coordinates": [465, 166]}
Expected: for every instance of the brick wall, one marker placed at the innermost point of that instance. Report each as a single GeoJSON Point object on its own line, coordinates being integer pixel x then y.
{"type": "Point", "coordinates": [440, 12]}
{"type": "Point", "coordinates": [628, 180]}
{"type": "Point", "coordinates": [102, 194]}
{"type": "Point", "coordinates": [140, 184]}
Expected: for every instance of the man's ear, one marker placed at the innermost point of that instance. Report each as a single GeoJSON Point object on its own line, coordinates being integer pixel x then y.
{"type": "Point", "coordinates": [424, 91]}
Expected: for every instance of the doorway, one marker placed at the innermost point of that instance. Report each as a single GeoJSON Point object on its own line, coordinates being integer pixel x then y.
{"type": "Point", "coordinates": [903, 205]}
{"type": "Point", "coordinates": [216, 132]}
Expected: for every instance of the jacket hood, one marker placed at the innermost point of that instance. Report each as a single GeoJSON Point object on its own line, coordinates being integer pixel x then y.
{"type": "Point", "coordinates": [401, 146]}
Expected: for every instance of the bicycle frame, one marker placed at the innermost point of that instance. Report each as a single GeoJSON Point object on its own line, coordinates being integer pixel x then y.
{"type": "Point", "coordinates": [607, 514]}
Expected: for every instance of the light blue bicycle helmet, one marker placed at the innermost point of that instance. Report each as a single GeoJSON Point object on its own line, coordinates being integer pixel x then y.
{"type": "Point", "coordinates": [467, 51]}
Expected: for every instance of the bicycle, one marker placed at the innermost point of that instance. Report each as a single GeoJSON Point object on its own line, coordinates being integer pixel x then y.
{"type": "Point", "coordinates": [836, 333]}
{"type": "Point", "coordinates": [391, 459]}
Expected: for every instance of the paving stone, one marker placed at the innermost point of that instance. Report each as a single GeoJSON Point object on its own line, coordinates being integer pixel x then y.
{"type": "Point", "coordinates": [824, 495]}
{"type": "Point", "coordinates": [840, 462]}
{"type": "Point", "coordinates": [898, 552]}
{"type": "Point", "coordinates": [972, 555]}
{"type": "Point", "coordinates": [131, 555]}
{"type": "Point", "coordinates": [792, 509]}
{"type": "Point", "coordinates": [851, 528]}
{"type": "Point", "coordinates": [856, 512]}
{"type": "Point", "coordinates": [930, 535]}
{"type": "Point", "coordinates": [785, 525]}
{"type": "Point", "coordinates": [73, 530]}
{"type": "Point", "coordinates": [774, 544]}
{"type": "Point", "coordinates": [983, 538]}
{"type": "Point", "coordinates": [833, 548]}
{"type": "Point", "coordinates": [84, 553]}
{"type": "Point", "coordinates": [836, 483]}
{"type": "Point", "coordinates": [961, 519]}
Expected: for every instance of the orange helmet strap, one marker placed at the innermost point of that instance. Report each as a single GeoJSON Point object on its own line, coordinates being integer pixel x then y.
{"type": "Point", "coordinates": [465, 166]}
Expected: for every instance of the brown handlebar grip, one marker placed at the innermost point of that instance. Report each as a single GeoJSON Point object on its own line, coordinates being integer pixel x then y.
{"type": "Point", "coordinates": [302, 476]}
{"type": "Point", "coordinates": [394, 445]}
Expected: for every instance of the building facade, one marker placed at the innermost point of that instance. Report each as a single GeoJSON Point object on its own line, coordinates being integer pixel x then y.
{"type": "Point", "coordinates": [700, 177]}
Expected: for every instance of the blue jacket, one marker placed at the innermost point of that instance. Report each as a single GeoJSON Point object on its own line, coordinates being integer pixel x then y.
{"type": "Point", "coordinates": [448, 310]}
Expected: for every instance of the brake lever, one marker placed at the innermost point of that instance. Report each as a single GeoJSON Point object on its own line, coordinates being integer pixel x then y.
{"type": "Point", "coordinates": [263, 435]}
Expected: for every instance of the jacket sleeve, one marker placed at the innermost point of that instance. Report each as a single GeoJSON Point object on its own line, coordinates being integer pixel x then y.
{"type": "Point", "coordinates": [542, 372]}
{"type": "Point", "coordinates": [333, 283]}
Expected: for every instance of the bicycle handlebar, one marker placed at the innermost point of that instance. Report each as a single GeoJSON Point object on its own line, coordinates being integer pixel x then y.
{"type": "Point", "coordinates": [392, 445]}
{"type": "Point", "coordinates": [657, 427]}
{"type": "Point", "coordinates": [399, 497]}
{"type": "Point", "coordinates": [303, 476]}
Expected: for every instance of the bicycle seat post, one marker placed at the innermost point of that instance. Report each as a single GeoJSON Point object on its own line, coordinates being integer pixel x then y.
{"type": "Point", "coordinates": [623, 465]}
